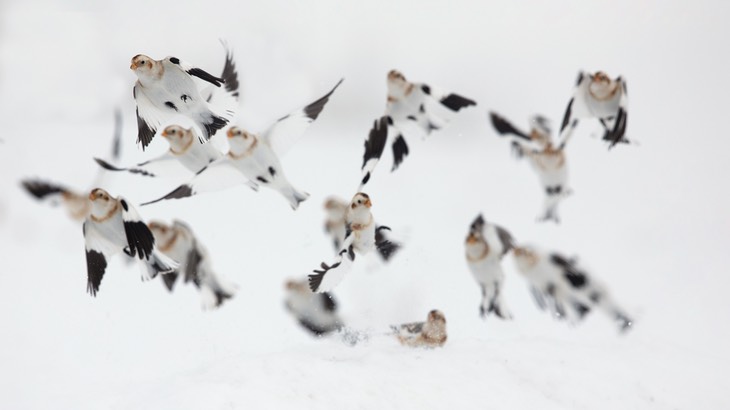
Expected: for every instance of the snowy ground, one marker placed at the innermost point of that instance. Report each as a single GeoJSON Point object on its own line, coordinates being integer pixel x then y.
{"type": "Point", "coordinates": [651, 220]}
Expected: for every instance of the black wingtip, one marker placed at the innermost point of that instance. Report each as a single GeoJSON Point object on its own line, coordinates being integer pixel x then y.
{"type": "Point", "coordinates": [377, 137]}
{"type": "Point", "coordinates": [106, 165]}
{"type": "Point", "coordinates": [400, 151]}
{"type": "Point", "coordinates": [215, 123]}
{"type": "Point", "coordinates": [40, 189]}
{"type": "Point", "coordinates": [230, 74]}
{"type": "Point", "coordinates": [314, 109]}
{"type": "Point", "coordinates": [183, 191]}
{"type": "Point", "coordinates": [455, 102]}
{"type": "Point", "coordinates": [315, 281]}
{"type": "Point", "coordinates": [145, 133]}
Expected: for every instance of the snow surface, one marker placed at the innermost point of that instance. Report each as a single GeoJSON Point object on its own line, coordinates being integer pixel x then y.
{"type": "Point", "coordinates": [651, 220]}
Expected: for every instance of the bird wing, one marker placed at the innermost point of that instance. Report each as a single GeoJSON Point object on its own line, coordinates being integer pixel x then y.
{"type": "Point", "coordinates": [196, 72]}
{"type": "Point", "coordinates": [149, 117]}
{"type": "Point", "coordinates": [618, 132]}
{"type": "Point", "coordinates": [451, 101]}
{"type": "Point", "coordinates": [219, 175]}
{"type": "Point", "coordinates": [504, 127]}
{"type": "Point", "coordinates": [164, 164]}
{"type": "Point", "coordinates": [97, 253]}
{"type": "Point", "coordinates": [140, 240]}
{"type": "Point", "coordinates": [375, 145]}
{"type": "Point", "coordinates": [330, 276]}
{"type": "Point", "coordinates": [44, 190]}
{"type": "Point", "coordinates": [281, 135]}
{"type": "Point", "coordinates": [225, 97]}
{"type": "Point", "coordinates": [577, 106]}
{"type": "Point", "coordinates": [505, 238]}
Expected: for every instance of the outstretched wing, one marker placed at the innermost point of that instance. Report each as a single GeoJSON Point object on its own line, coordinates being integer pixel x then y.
{"type": "Point", "coordinates": [452, 101]}
{"type": "Point", "coordinates": [329, 276]}
{"type": "Point", "coordinates": [287, 130]}
{"type": "Point", "coordinates": [504, 127]}
{"type": "Point", "coordinates": [140, 240]}
{"type": "Point", "coordinates": [197, 72]}
{"type": "Point", "coordinates": [217, 176]}
{"type": "Point", "coordinates": [617, 134]}
{"type": "Point", "coordinates": [505, 238]}
{"type": "Point", "coordinates": [374, 147]}
{"type": "Point", "coordinates": [149, 117]}
{"type": "Point", "coordinates": [157, 166]}
{"type": "Point", "coordinates": [577, 107]}
{"type": "Point", "coordinates": [43, 190]}
{"type": "Point", "coordinates": [96, 257]}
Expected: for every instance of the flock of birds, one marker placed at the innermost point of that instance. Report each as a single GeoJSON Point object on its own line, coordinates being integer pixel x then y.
{"type": "Point", "coordinates": [169, 87]}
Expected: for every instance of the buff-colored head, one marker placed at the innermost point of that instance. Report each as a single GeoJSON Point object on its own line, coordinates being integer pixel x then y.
{"type": "Point", "coordinates": [240, 140]}
{"type": "Point", "coordinates": [436, 316]}
{"type": "Point", "coordinates": [397, 84]}
{"type": "Point", "coordinates": [142, 64]}
{"type": "Point", "coordinates": [102, 204]}
{"type": "Point", "coordinates": [180, 139]}
{"type": "Point", "coordinates": [525, 257]}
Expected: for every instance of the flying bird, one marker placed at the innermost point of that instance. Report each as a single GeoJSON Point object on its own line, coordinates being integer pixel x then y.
{"type": "Point", "coordinates": [113, 226]}
{"type": "Point", "coordinates": [316, 312]}
{"type": "Point", "coordinates": [546, 159]}
{"type": "Point", "coordinates": [178, 242]}
{"type": "Point", "coordinates": [184, 151]}
{"type": "Point", "coordinates": [362, 236]}
{"type": "Point", "coordinates": [562, 286]}
{"type": "Point", "coordinates": [431, 333]}
{"type": "Point", "coordinates": [598, 96]}
{"type": "Point", "coordinates": [165, 88]}
{"type": "Point", "coordinates": [254, 159]}
{"type": "Point", "coordinates": [485, 245]}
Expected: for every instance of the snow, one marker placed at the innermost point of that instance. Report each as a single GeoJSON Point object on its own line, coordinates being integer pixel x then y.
{"type": "Point", "coordinates": [650, 220]}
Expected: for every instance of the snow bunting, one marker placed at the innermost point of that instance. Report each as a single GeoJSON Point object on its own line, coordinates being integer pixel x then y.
{"type": "Point", "coordinates": [113, 226]}
{"type": "Point", "coordinates": [165, 88]}
{"type": "Point", "coordinates": [431, 333]}
{"type": "Point", "coordinates": [418, 104]}
{"type": "Point", "coordinates": [316, 312]}
{"type": "Point", "coordinates": [362, 236]}
{"type": "Point", "coordinates": [598, 96]}
{"type": "Point", "coordinates": [254, 159]}
{"type": "Point", "coordinates": [335, 222]}
{"type": "Point", "coordinates": [562, 286]}
{"type": "Point", "coordinates": [77, 205]}
{"type": "Point", "coordinates": [184, 150]}
{"type": "Point", "coordinates": [546, 159]}
{"type": "Point", "coordinates": [486, 244]}
{"type": "Point", "coordinates": [178, 242]}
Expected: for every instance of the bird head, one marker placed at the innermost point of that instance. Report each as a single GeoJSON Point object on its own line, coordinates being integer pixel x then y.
{"type": "Point", "coordinates": [436, 316]}
{"type": "Point", "coordinates": [601, 86]}
{"type": "Point", "coordinates": [296, 286]}
{"type": "Point", "coordinates": [361, 200]}
{"type": "Point", "coordinates": [240, 140]}
{"type": "Point", "coordinates": [397, 83]}
{"type": "Point", "coordinates": [164, 234]}
{"type": "Point", "coordinates": [600, 77]}
{"type": "Point", "coordinates": [179, 138]}
{"type": "Point", "coordinates": [101, 202]}
{"type": "Point", "coordinates": [142, 64]}
{"type": "Point", "coordinates": [525, 256]}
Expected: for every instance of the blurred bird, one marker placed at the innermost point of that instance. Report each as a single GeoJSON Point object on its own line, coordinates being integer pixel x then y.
{"type": "Point", "coordinates": [316, 312]}
{"type": "Point", "coordinates": [560, 285]}
{"type": "Point", "coordinates": [362, 236]}
{"type": "Point", "coordinates": [165, 88]}
{"type": "Point", "coordinates": [547, 160]}
{"type": "Point", "coordinates": [254, 159]}
{"type": "Point", "coordinates": [178, 242]}
{"type": "Point", "coordinates": [335, 222]}
{"type": "Point", "coordinates": [431, 333]}
{"type": "Point", "coordinates": [184, 150]}
{"type": "Point", "coordinates": [113, 226]}
{"type": "Point", "coordinates": [486, 244]}
{"type": "Point", "coordinates": [419, 104]}
{"type": "Point", "coordinates": [76, 203]}
{"type": "Point", "coordinates": [598, 96]}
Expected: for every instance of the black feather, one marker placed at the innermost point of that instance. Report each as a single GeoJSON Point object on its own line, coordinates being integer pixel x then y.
{"type": "Point", "coordinates": [40, 189]}
{"type": "Point", "coordinates": [140, 239]}
{"type": "Point", "coordinates": [192, 264]}
{"type": "Point", "coordinates": [328, 302]}
{"type": "Point", "coordinates": [312, 110]}
{"type": "Point", "coordinates": [183, 191]}
{"type": "Point", "coordinates": [230, 75]}
{"type": "Point", "coordinates": [504, 127]}
{"type": "Point", "coordinates": [169, 280]}
{"type": "Point", "coordinates": [215, 123]}
{"type": "Point", "coordinates": [566, 117]}
{"type": "Point", "coordinates": [385, 248]}
{"type": "Point", "coordinates": [375, 144]}
{"type": "Point", "coordinates": [400, 151]}
{"type": "Point", "coordinates": [455, 102]}
{"type": "Point", "coordinates": [204, 75]}
{"type": "Point", "coordinates": [110, 167]}
{"type": "Point", "coordinates": [145, 133]}
{"type": "Point", "coordinates": [95, 268]}
{"type": "Point", "coordinates": [577, 278]}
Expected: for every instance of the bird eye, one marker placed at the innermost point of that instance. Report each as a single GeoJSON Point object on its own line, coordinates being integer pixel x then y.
{"type": "Point", "coordinates": [141, 62]}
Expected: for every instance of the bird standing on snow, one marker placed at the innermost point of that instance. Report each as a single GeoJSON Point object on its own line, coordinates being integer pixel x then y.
{"type": "Point", "coordinates": [178, 242]}
{"type": "Point", "coordinates": [113, 226]}
{"type": "Point", "coordinates": [254, 159]}
{"type": "Point", "coordinates": [485, 246]}
{"type": "Point", "coordinates": [335, 222]}
{"type": "Point", "coordinates": [362, 236]}
{"type": "Point", "coordinates": [419, 104]}
{"type": "Point", "coordinates": [547, 160]}
{"type": "Point", "coordinates": [316, 312]}
{"type": "Point", "coordinates": [184, 150]}
{"type": "Point", "coordinates": [165, 88]}
{"type": "Point", "coordinates": [562, 286]}
{"type": "Point", "coordinates": [598, 96]}
{"type": "Point", "coordinates": [431, 333]}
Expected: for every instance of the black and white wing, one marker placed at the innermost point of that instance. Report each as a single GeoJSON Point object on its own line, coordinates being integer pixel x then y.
{"type": "Point", "coordinates": [43, 190]}
{"type": "Point", "coordinates": [140, 240]}
{"type": "Point", "coordinates": [477, 226]}
{"type": "Point", "coordinates": [164, 164]}
{"type": "Point", "coordinates": [505, 239]}
{"type": "Point", "coordinates": [386, 248]}
{"type": "Point", "coordinates": [576, 277]}
{"type": "Point", "coordinates": [453, 102]}
{"type": "Point", "coordinates": [374, 147]}
{"type": "Point", "coordinates": [225, 97]}
{"type": "Point", "coordinates": [408, 329]}
{"type": "Point", "coordinates": [149, 117]}
{"type": "Point", "coordinates": [329, 276]}
{"type": "Point", "coordinates": [577, 106]}
{"type": "Point", "coordinates": [98, 251]}
{"type": "Point", "coordinates": [504, 127]}
{"type": "Point", "coordinates": [196, 72]}
{"type": "Point", "coordinates": [217, 176]}
{"type": "Point", "coordinates": [617, 133]}
{"type": "Point", "coordinates": [287, 130]}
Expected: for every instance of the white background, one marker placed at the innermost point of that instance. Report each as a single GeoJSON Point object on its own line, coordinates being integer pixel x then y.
{"type": "Point", "coordinates": [650, 219]}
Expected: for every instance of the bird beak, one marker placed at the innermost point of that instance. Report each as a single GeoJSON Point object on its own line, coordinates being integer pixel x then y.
{"type": "Point", "coordinates": [471, 238]}
{"type": "Point", "coordinates": [230, 133]}
{"type": "Point", "coordinates": [164, 133]}
{"type": "Point", "coordinates": [91, 196]}
{"type": "Point", "coordinates": [368, 203]}
{"type": "Point", "coordinates": [133, 66]}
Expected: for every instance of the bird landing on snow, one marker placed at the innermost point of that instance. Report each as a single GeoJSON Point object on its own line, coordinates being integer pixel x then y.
{"type": "Point", "coordinates": [361, 237]}
{"type": "Point", "coordinates": [485, 246]}
{"type": "Point", "coordinates": [429, 334]}
{"type": "Point", "coordinates": [598, 96]}
{"type": "Point", "coordinates": [316, 312]}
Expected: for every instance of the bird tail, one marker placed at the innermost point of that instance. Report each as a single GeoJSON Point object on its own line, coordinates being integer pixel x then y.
{"type": "Point", "coordinates": [296, 197]}
{"type": "Point", "coordinates": [210, 122]}
{"type": "Point", "coordinates": [158, 263]}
